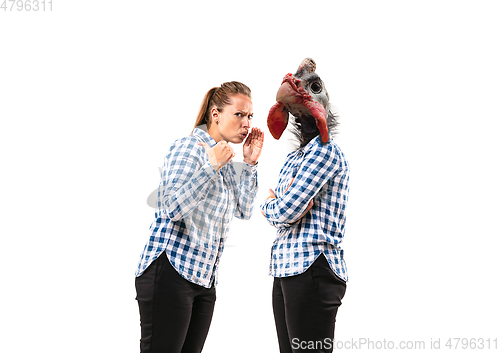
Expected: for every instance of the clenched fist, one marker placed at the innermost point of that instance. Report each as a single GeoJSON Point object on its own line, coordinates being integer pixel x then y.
{"type": "Point", "coordinates": [219, 155]}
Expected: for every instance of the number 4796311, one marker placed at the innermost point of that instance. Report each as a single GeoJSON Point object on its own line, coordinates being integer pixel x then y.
{"type": "Point", "coordinates": [26, 5]}
{"type": "Point", "coordinates": [472, 343]}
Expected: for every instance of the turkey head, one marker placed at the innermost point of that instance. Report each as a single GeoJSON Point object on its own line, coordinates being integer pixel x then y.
{"type": "Point", "coordinates": [304, 96]}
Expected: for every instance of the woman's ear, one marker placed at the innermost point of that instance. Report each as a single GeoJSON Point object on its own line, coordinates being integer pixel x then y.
{"type": "Point", "coordinates": [215, 115]}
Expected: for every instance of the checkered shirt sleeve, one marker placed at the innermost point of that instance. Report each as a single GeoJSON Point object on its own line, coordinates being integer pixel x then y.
{"type": "Point", "coordinates": [195, 207]}
{"type": "Point", "coordinates": [319, 172]}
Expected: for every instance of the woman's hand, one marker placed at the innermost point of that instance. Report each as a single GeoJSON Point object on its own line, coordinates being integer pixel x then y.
{"type": "Point", "coordinates": [219, 155]}
{"type": "Point", "coordinates": [252, 147]}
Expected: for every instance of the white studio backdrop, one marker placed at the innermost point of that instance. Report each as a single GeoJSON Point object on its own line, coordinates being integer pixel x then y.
{"type": "Point", "coordinates": [92, 93]}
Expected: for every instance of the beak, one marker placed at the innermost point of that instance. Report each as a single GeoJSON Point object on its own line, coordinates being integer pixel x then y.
{"type": "Point", "coordinates": [287, 94]}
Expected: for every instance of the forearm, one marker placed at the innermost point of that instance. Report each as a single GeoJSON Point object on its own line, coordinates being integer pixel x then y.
{"type": "Point", "coordinates": [247, 192]}
{"type": "Point", "coordinates": [284, 211]}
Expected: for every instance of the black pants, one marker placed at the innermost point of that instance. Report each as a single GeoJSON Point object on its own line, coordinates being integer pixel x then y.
{"type": "Point", "coordinates": [305, 307]}
{"type": "Point", "coordinates": [175, 313]}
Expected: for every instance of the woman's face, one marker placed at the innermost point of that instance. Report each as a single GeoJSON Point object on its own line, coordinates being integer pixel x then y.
{"type": "Point", "coordinates": [233, 123]}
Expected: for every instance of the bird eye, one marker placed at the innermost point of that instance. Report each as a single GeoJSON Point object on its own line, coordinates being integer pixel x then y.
{"type": "Point", "coordinates": [316, 87]}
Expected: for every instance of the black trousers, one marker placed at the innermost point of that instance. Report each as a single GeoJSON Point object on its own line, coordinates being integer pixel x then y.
{"type": "Point", "coordinates": [305, 307]}
{"type": "Point", "coordinates": [175, 313]}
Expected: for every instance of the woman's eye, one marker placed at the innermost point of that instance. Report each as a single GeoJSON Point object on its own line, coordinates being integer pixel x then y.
{"type": "Point", "coordinates": [243, 115]}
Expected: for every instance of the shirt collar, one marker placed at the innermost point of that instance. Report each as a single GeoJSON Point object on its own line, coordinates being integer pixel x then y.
{"type": "Point", "coordinates": [314, 142]}
{"type": "Point", "coordinates": [201, 131]}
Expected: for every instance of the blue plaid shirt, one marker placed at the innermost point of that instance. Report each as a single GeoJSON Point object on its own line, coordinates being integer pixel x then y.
{"type": "Point", "coordinates": [195, 207]}
{"type": "Point", "coordinates": [319, 172]}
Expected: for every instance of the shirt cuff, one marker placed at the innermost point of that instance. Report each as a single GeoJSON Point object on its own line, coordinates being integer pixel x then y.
{"type": "Point", "coordinates": [251, 168]}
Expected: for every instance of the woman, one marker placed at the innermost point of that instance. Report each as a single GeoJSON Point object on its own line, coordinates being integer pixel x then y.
{"type": "Point", "coordinates": [197, 199]}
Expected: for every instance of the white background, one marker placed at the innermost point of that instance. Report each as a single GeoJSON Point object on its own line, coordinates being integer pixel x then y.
{"type": "Point", "coordinates": [93, 93]}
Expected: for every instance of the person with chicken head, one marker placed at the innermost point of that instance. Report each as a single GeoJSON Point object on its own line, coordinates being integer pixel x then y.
{"type": "Point", "coordinates": [307, 208]}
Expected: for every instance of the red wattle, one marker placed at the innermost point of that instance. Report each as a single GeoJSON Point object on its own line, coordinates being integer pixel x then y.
{"type": "Point", "coordinates": [319, 114]}
{"type": "Point", "coordinates": [277, 120]}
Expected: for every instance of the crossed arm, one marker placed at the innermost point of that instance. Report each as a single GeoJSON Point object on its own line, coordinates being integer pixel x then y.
{"type": "Point", "coordinates": [317, 167]}
{"type": "Point", "coordinates": [273, 196]}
